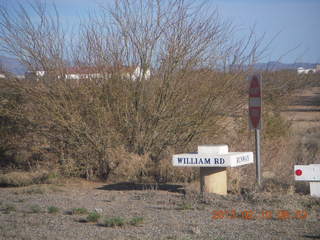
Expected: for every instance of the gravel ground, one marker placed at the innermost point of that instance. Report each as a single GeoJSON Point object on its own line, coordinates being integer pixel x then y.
{"type": "Point", "coordinates": [168, 213]}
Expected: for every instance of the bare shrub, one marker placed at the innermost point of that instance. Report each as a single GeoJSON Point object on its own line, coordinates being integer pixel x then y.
{"type": "Point", "coordinates": [279, 88]}
{"type": "Point", "coordinates": [132, 167]}
{"type": "Point", "coordinates": [77, 125]}
{"type": "Point", "coordinates": [190, 86]}
{"type": "Point", "coordinates": [38, 41]}
{"type": "Point", "coordinates": [186, 94]}
{"type": "Point", "coordinates": [168, 173]}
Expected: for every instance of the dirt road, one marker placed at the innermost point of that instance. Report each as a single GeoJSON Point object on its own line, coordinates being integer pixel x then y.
{"type": "Point", "coordinates": [304, 111]}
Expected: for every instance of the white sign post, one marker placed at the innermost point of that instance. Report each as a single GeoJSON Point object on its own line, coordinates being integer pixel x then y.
{"type": "Point", "coordinates": [213, 161]}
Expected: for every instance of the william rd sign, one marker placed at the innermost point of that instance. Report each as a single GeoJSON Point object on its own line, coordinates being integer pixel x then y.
{"type": "Point", "coordinates": [231, 159]}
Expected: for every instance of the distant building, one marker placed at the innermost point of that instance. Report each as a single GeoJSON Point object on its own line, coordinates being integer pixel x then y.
{"type": "Point", "coordinates": [302, 70]}
{"type": "Point", "coordinates": [76, 73]}
{"type": "Point", "coordinates": [20, 76]}
{"type": "Point", "coordinates": [34, 75]}
{"type": "Point", "coordinates": [139, 73]}
{"type": "Point", "coordinates": [318, 68]}
{"type": "Point", "coordinates": [87, 72]}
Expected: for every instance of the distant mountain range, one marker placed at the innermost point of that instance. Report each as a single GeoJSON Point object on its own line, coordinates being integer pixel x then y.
{"type": "Point", "coordinates": [275, 66]}
{"type": "Point", "coordinates": [14, 66]}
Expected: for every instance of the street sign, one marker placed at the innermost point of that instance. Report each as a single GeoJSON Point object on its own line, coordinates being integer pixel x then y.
{"type": "Point", "coordinates": [212, 156]}
{"type": "Point", "coordinates": [255, 102]}
{"type": "Point", "coordinates": [255, 117]}
{"type": "Point", "coordinates": [213, 161]}
{"type": "Point", "coordinates": [230, 159]}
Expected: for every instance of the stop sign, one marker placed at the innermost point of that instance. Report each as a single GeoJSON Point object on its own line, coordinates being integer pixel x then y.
{"type": "Point", "coordinates": [255, 102]}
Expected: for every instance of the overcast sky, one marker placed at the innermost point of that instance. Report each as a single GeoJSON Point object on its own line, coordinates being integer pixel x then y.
{"type": "Point", "coordinates": [296, 21]}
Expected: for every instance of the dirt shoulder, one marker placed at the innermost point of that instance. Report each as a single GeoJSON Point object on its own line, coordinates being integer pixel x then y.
{"type": "Point", "coordinates": [304, 111]}
{"type": "Point", "coordinates": [166, 211]}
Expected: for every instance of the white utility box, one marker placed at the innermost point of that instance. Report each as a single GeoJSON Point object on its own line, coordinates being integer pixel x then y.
{"type": "Point", "coordinates": [309, 173]}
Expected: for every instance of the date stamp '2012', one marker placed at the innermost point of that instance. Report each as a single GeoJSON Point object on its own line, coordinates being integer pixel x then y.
{"type": "Point", "coordinates": [264, 214]}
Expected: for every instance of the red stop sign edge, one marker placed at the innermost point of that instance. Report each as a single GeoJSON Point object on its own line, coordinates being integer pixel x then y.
{"type": "Point", "coordinates": [255, 93]}
{"type": "Point", "coordinates": [255, 88]}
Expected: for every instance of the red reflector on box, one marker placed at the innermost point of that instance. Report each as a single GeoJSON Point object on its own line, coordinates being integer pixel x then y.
{"type": "Point", "coordinates": [298, 172]}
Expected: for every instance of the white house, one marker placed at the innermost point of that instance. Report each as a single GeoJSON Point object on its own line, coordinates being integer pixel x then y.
{"type": "Point", "coordinates": [34, 75]}
{"type": "Point", "coordinates": [76, 73]}
{"type": "Point", "coordinates": [302, 70]}
{"type": "Point", "coordinates": [87, 72]}
{"type": "Point", "coordinates": [138, 73]}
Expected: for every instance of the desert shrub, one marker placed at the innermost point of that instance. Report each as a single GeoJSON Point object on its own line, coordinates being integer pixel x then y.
{"type": "Point", "coordinates": [13, 126]}
{"type": "Point", "coordinates": [53, 209]}
{"type": "Point", "coordinates": [132, 167]}
{"type": "Point", "coordinates": [85, 123]}
{"type": "Point", "coordinates": [135, 221]}
{"type": "Point", "coordinates": [115, 222]}
{"type": "Point", "coordinates": [168, 173]}
{"type": "Point", "coordinates": [35, 209]}
{"type": "Point", "coordinates": [79, 211]}
{"type": "Point", "coordinates": [93, 217]}
{"type": "Point", "coordinates": [191, 87]}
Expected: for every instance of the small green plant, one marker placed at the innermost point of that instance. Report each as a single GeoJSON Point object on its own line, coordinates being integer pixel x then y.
{"type": "Point", "coordinates": [9, 208]}
{"type": "Point", "coordinates": [53, 209]}
{"type": "Point", "coordinates": [184, 206]}
{"type": "Point", "coordinates": [78, 211]}
{"type": "Point", "coordinates": [114, 222]}
{"type": "Point", "coordinates": [93, 217]}
{"type": "Point", "coordinates": [135, 221]}
{"type": "Point", "coordinates": [35, 208]}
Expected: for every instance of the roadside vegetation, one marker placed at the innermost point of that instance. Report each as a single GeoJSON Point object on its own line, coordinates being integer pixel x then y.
{"type": "Point", "coordinates": [113, 127]}
{"type": "Point", "coordinates": [79, 211]}
{"type": "Point", "coordinates": [53, 209]}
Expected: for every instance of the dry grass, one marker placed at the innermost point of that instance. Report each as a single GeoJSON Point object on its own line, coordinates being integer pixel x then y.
{"type": "Point", "coordinates": [18, 179]}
